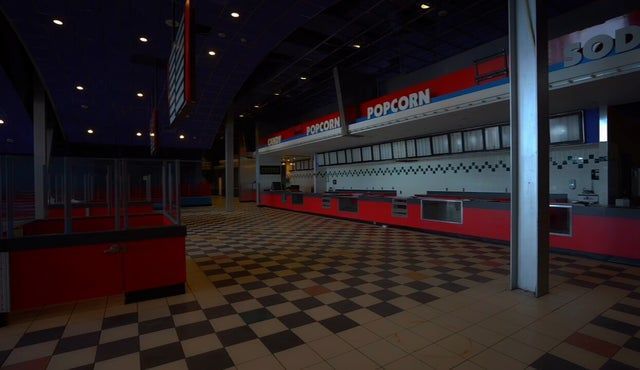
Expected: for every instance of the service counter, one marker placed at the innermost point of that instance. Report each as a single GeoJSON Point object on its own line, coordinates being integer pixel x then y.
{"type": "Point", "coordinates": [602, 232]}
{"type": "Point", "coordinates": [50, 267]}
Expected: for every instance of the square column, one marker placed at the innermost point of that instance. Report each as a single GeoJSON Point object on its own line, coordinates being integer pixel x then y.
{"type": "Point", "coordinates": [529, 146]}
{"type": "Point", "coordinates": [228, 163]}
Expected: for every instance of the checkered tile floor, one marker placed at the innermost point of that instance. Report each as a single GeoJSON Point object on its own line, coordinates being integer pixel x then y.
{"type": "Point", "coordinates": [270, 289]}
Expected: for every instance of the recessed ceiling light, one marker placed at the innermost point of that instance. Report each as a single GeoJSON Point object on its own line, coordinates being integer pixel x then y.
{"type": "Point", "coordinates": [424, 6]}
{"type": "Point", "coordinates": [152, 134]}
{"type": "Point", "coordinates": [138, 133]}
{"type": "Point", "coordinates": [140, 94]}
{"type": "Point", "coordinates": [79, 87]}
{"type": "Point", "coordinates": [241, 116]}
{"type": "Point", "coordinates": [357, 46]}
{"type": "Point", "coordinates": [276, 94]}
{"type": "Point", "coordinates": [256, 106]}
{"type": "Point", "coordinates": [181, 137]}
{"type": "Point", "coordinates": [57, 22]}
{"type": "Point", "coordinates": [143, 39]}
{"type": "Point", "coordinates": [212, 53]}
{"type": "Point", "coordinates": [1, 122]}
{"type": "Point", "coordinates": [303, 78]}
{"type": "Point", "coordinates": [89, 131]}
{"type": "Point", "coordinates": [235, 14]}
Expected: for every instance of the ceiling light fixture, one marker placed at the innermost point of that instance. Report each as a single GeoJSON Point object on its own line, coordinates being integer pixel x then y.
{"type": "Point", "coordinates": [181, 137]}
{"type": "Point", "coordinates": [241, 116]}
{"type": "Point", "coordinates": [1, 122]}
{"type": "Point", "coordinates": [212, 53]}
{"type": "Point", "coordinates": [57, 22]}
{"type": "Point", "coordinates": [276, 94]}
{"type": "Point", "coordinates": [143, 39]}
{"type": "Point", "coordinates": [89, 131]}
{"type": "Point", "coordinates": [424, 6]}
{"type": "Point", "coordinates": [235, 14]}
{"type": "Point", "coordinates": [152, 134]}
{"type": "Point", "coordinates": [357, 46]}
{"type": "Point", "coordinates": [140, 95]}
{"type": "Point", "coordinates": [79, 87]}
{"type": "Point", "coordinates": [303, 78]}
{"type": "Point", "coordinates": [256, 106]}
{"type": "Point", "coordinates": [138, 134]}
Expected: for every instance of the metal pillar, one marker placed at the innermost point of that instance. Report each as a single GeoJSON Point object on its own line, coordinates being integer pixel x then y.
{"type": "Point", "coordinates": [228, 163]}
{"type": "Point", "coordinates": [344, 127]}
{"type": "Point", "coordinates": [529, 146]}
{"type": "Point", "coordinates": [67, 186]}
{"type": "Point", "coordinates": [177, 185]}
{"type": "Point", "coordinates": [257, 157]}
{"type": "Point", "coordinates": [39, 150]}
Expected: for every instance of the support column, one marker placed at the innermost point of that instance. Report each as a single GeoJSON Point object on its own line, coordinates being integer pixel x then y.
{"type": "Point", "coordinates": [344, 125]}
{"type": "Point", "coordinates": [257, 158]}
{"type": "Point", "coordinates": [529, 146]}
{"type": "Point", "coordinates": [39, 150]}
{"type": "Point", "coordinates": [228, 163]}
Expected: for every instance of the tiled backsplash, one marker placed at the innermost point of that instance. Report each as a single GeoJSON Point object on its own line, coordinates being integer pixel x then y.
{"type": "Point", "coordinates": [476, 172]}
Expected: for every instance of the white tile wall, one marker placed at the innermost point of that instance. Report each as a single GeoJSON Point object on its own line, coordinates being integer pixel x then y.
{"type": "Point", "coordinates": [400, 176]}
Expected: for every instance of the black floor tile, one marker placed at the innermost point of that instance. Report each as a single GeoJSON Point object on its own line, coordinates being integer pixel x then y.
{"type": "Point", "coordinates": [272, 300]}
{"type": "Point", "coordinates": [386, 284]}
{"type": "Point", "coordinates": [77, 342]}
{"type": "Point", "coordinates": [219, 311]}
{"type": "Point", "coordinates": [238, 297]}
{"type": "Point", "coordinates": [384, 309]}
{"type": "Point", "coordinates": [338, 323]}
{"type": "Point", "coordinates": [286, 287]}
{"type": "Point", "coordinates": [350, 292]}
{"type": "Point", "coordinates": [153, 325]}
{"type": "Point", "coordinates": [184, 307]}
{"type": "Point", "coordinates": [120, 320]}
{"type": "Point", "coordinates": [193, 330]}
{"type": "Point", "coordinates": [345, 306]}
{"type": "Point", "coordinates": [254, 285]}
{"type": "Point", "coordinates": [161, 355]}
{"type": "Point", "coordinates": [385, 295]}
{"type": "Point", "coordinates": [214, 360]}
{"type": "Point", "coordinates": [422, 297]}
{"type": "Point", "coordinates": [260, 314]}
{"type": "Point", "coordinates": [236, 335]}
{"type": "Point", "coordinates": [296, 319]}
{"type": "Point", "coordinates": [616, 365]}
{"type": "Point", "coordinates": [453, 287]}
{"type": "Point", "coordinates": [626, 309]}
{"type": "Point", "coordinates": [307, 303]}
{"type": "Point", "coordinates": [615, 325]}
{"type": "Point", "coordinates": [551, 362]}
{"type": "Point", "coordinates": [634, 344]}
{"type": "Point", "coordinates": [418, 285]}
{"type": "Point", "coordinates": [40, 336]}
{"type": "Point", "coordinates": [118, 348]}
{"type": "Point", "coordinates": [281, 341]}
{"type": "Point", "coordinates": [3, 356]}
{"type": "Point", "coordinates": [225, 283]}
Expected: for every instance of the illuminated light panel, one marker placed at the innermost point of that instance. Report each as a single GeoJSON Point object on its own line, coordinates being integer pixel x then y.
{"type": "Point", "coordinates": [143, 39]}
{"type": "Point", "coordinates": [90, 131]}
{"type": "Point", "coordinates": [235, 14]}
{"type": "Point", "coordinates": [57, 22]}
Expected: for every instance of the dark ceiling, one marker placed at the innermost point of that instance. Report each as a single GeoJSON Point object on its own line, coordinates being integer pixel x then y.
{"type": "Point", "coordinates": [259, 59]}
{"type": "Point", "coordinates": [98, 48]}
{"type": "Point", "coordinates": [394, 37]}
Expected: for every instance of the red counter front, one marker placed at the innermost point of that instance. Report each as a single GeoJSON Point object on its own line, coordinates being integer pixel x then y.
{"type": "Point", "coordinates": [606, 236]}
{"type": "Point", "coordinates": [94, 262]}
